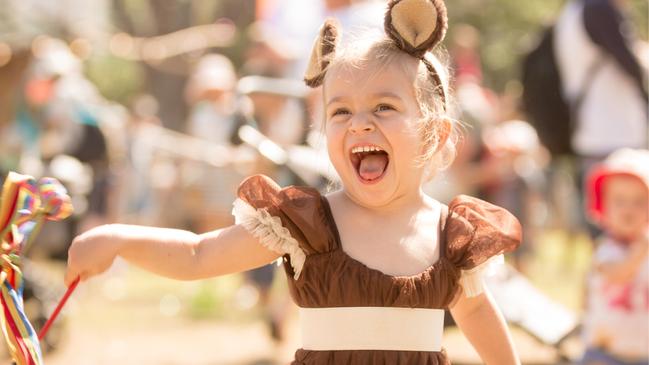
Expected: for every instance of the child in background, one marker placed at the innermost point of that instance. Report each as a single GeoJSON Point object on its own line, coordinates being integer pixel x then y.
{"type": "Point", "coordinates": [373, 265]}
{"type": "Point", "coordinates": [616, 325]}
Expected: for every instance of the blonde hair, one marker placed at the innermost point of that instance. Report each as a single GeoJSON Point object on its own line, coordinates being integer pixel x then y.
{"type": "Point", "coordinates": [432, 96]}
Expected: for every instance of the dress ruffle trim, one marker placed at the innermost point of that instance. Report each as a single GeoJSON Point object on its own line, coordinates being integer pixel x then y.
{"type": "Point", "coordinates": [472, 280]}
{"type": "Point", "coordinates": [270, 232]}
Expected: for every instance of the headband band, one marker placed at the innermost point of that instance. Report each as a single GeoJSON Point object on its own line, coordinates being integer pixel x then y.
{"type": "Point", "coordinates": [415, 27]}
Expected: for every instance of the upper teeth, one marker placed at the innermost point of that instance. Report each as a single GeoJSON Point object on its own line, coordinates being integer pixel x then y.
{"type": "Point", "coordinates": [366, 149]}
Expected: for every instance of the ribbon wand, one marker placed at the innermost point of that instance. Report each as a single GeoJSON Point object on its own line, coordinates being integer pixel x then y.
{"type": "Point", "coordinates": [58, 308]}
{"type": "Point", "coordinates": [24, 205]}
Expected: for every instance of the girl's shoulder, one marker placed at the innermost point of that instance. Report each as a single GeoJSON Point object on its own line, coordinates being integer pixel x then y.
{"type": "Point", "coordinates": [261, 191]}
{"type": "Point", "coordinates": [298, 211]}
{"type": "Point", "coordinates": [475, 231]}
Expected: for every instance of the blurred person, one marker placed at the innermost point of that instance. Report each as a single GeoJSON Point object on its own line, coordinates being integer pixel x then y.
{"type": "Point", "coordinates": [373, 264]}
{"type": "Point", "coordinates": [512, 176]}
{"type": "Point", "coordinates": [500, 159]}
{"type": "Point", "coordinates": [138, 203]}
{"type": "Point", "coordinates": [210, 92]}
{"type": "Point", "coordinates": [269, 53]}
{"type": "Point", "coordinates": [465, 55]}
{"type": "Point", "coordinates": [17, 140]}
{"type": "Point", "coordinates": [20, 137]}
{"type": "Point", "coordinates": [279, 115]}
{"type": "Point", "coordinates": [12, 74]}
{"type": "Point", "coordinates": [217, 116]}
{"type": "Point", "coordinates": [279, 105]}
{"type": "Point", "coordinates": [292, 24]}
{"type": "Point", "coordinates": [477, 103]}
{"type": "Point", "coordinates": [616, 322]}
{"type": "Point", "coordinates": [593, 46]}
{"type": "Point", "coordinates": [477, 108]}
{"type": "Point", "coordinates": [278, 112]}
{"type": "Point", "coordinates": [57, 131]}
{"type": "Point", "coordinates": [71, 121]}
{"type": "Point", "coordinates": [593, 40]}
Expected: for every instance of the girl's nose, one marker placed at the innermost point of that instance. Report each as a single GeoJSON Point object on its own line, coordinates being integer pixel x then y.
{"type": "Point", "coordinates": [361, 123]}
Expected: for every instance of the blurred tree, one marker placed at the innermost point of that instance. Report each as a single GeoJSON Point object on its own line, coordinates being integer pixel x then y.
{"type": "Point", "coordinates": [165, 79]}
{"type": "Point", "coordinates": [21, 21]}
{"type": "Point", "coordinates": [507, 28]}
{"type": "Point", "coordinates": [116, 79]}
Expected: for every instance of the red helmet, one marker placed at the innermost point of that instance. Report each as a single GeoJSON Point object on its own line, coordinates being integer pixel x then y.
{"type": "Point", "coordinates": [625, 161]}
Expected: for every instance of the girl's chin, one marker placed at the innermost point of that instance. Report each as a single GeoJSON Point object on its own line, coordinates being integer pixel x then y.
{"type": "Point", "coordinates": [373, 195]}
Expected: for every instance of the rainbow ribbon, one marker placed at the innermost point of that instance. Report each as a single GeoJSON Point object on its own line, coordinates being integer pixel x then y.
{"type": "Point", "coordinates": [24, 204]}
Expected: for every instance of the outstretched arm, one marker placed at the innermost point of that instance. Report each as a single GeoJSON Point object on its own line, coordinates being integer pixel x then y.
{"type": "Point", "coordinates": [171, 253]}
{"type": "Point", "coordinates": [624, 271]}
{"type": "Point", "coordinates": [483, 324]}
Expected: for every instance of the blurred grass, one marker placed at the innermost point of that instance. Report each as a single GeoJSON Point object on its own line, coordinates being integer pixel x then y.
{"type": "Point", "coordinates": [205, 299]}
{"type": "Point", "coordinates": [559, 265]}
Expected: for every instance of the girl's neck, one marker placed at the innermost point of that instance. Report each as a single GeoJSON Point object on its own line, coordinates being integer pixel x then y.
{"type": "Point", "coordinates": [400, 204]}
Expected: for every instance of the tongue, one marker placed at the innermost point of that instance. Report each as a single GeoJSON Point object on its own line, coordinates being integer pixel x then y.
{"type": "Point", "coordinates": [372, 166]}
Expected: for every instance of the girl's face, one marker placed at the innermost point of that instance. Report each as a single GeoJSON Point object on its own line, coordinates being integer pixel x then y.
{"type": "Point", "coordinates": [626, 206]}
{"type": "Point", "coordinates": [371, 126]}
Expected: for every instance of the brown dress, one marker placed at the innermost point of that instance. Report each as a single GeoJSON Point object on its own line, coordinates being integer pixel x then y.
{"type": "Point", "coordinates": [473, 231]}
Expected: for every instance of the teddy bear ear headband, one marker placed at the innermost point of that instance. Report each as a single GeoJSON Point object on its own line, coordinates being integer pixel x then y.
{"type": "Point", "coordinates": [415, 26]}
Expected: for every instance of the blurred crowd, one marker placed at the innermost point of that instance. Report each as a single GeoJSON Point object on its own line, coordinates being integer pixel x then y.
{"type": "Point", "coordinates": [127, 163]}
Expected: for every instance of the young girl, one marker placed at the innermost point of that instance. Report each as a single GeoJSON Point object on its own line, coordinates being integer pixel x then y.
{"type": "Point", "coordinates": [373, 265]}
{"type": "Point", "coordinates": [616, 322]}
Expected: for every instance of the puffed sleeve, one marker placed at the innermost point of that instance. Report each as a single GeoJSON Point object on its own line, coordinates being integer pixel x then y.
{"type": "Point", "coordinates": [281, 219]}
{"type": "Point", "coordinates": [477, 233]}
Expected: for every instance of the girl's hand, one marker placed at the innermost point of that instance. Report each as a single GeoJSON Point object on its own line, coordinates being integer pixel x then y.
{"type": "Point", "coordinates": [91, 253]}
{"type": "Point", "coordinates": [640, 248]}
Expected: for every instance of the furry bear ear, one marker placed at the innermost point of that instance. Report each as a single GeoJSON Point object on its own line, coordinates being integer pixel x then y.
{"type": "Point", "coordinates": [324, 49]}
{"type": "Point", "coordinates": [416, 25]}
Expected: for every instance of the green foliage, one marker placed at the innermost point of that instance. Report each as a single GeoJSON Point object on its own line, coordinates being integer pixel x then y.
{"type": "Point", "coordinates": [206, 303]}
{"type": "Point", "coordinates": [116, 78]}
{"type": "Point", "coordinates": [638, 14]}
{"type": "Point", "coordinates": [213, 298]}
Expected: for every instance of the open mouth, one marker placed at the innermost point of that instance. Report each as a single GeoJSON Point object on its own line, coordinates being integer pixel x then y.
{"type": "Point", "coordinates": [370, 163]}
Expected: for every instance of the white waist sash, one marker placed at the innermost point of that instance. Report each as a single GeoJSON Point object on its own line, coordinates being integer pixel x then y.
{"type": "Point", "coordinates": [372, 328]}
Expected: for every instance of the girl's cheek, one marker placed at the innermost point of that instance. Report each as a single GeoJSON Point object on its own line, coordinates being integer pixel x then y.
{"type": "Point", "coordinates": [335, 133]}
{"type": "Point", "coordinates": [334, 146]}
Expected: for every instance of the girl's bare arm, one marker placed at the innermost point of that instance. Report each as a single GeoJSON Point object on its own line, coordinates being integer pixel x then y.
{"type": "Point", "coordinates": [484, 326]}
{"type": "Point", "coordinates": [625, 271]}
{"type": "Point", "coordinates": [171, 253]}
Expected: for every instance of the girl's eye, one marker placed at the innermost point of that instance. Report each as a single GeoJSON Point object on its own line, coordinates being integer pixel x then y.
{"type": "Point", "coordinates": [384, 107]}
{"type": "Point", "coordinates": [340, 111]}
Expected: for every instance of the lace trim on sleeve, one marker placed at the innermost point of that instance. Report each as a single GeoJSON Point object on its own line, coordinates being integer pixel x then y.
{"type": "Point", "coordinates": [270, 232]}
{"type": "Point", "coordinates": [471, 280]}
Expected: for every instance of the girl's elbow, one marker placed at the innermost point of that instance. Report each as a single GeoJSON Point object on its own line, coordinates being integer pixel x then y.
{"type": "Point", "coordinates": [193, 267]}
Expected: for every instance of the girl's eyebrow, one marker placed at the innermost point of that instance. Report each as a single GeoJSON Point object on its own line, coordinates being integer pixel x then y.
{"type": "Point", "coordinates": [386, 94]}
{"type": "Point", "coordinates": [335, 100]}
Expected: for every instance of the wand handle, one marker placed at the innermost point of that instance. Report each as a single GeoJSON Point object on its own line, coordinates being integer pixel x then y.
{"type": "Point", "coordinates": [54, 314]}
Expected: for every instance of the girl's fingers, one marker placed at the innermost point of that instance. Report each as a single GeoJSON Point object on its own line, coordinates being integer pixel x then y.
{"type": "Point", "coordinates": [68, 278]}
{"type": "Point", "coordinates": [72, 275]}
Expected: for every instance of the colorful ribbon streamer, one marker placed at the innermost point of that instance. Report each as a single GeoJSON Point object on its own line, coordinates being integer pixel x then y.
{"type": "Point", "coordinates": [24, 205]}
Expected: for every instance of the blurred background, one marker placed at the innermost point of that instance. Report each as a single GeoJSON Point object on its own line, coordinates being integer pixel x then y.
{"type": "Point", "coordinates": [151, 112]}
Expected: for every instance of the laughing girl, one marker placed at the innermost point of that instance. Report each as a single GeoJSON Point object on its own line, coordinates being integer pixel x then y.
{"type": "Point", "coordinates": [373, 265]}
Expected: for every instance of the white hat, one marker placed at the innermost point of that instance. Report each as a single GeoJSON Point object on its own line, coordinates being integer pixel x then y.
{"type": "Point", "coordinates": [626, 161]}
{"type": "Point", "coordinates": [213, 72]}
{"type": "Point", "coordinates": [55, 59]}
